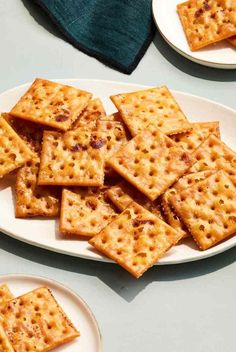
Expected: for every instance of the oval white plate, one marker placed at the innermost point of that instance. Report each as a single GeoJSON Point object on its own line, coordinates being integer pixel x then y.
{"type": "Point", "coordinates": [44, 233]}
{"type": "Point", "coordinates": [220, 55]}
{"type": "Point", "coordinates": [75, 308]}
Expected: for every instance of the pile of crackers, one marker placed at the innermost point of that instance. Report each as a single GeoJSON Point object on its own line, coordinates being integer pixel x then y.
{"type": "Point", "coordinates": [208, 21]}
{"type": "Point", "coordinates": [134, 183]}
{"type": "Point", "coordinates": [33, 322]}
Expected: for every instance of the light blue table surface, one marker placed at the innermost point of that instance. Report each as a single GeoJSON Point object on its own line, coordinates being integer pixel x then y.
{"type": "Point", "coordinates": [177, 308]}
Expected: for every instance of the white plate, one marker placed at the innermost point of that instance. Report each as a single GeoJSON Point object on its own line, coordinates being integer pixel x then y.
{"type": "Point", "coordinates": [44, 233]}
{"type": "Point", "coordinates": [76, 309]}
{"type": "Point", "coordinates": [220, 55]}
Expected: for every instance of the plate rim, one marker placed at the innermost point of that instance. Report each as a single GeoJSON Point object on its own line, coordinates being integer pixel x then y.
{"type": "Point", "coordinates": [212, 64]}
{"type": "Point", "coordinates": [204, 254]}
{"type": "Point", "coordinates": [64, 288]}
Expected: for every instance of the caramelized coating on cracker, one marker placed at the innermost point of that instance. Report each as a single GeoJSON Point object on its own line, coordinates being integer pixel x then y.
{"type": "Point", "coordinates": [30, 132]}
{"type": "Point", "coordinates": [5, 345]}
{"type": "Point", "coordinates": [33, 200]}
{"type": "Point", "coordinates": [116, 136]}
{"type": "Point", "coordinates": [52, 104]}
{"type": "Point", "coordinates": [208, 209]}
{"type": "Point", "coordinates": [200, 131]}
{"type": "Point", "coordinates": [124, 193]}
{"type": "Point", "coordinates": [35, 322]}
{"type": "Point", "coordinates": [184, 182]}
{"type": "Point", "coordinates": [5, 295]}
{"type": "Point", "coordinates": [207, 21]}
{"type": "Point", "coordinates": [93, 112]}
{"type": "Point", "coordinates": [215, 155]}
{"type": "Point", "coordinates": [13, 150]}
{"type": "Point", "coordinates": [136, 239]}
{"type": "Point", "coordinates": [75, 158]}
{"type": "Point", "coordinates": [155, 105]}
{"type": "Point", "coordinates": [85, 212]}
{"type": "Point", "coordinates": [151, 162]}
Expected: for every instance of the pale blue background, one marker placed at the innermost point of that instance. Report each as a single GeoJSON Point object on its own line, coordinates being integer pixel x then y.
{"type": "Point", "coordinates": [178, 308]}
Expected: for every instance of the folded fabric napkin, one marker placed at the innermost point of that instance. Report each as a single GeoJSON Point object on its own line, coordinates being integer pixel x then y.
{"type": "Point", "coordinates": [116, 32]}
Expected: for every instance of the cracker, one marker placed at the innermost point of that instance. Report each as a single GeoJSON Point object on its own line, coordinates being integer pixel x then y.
{"type": "Point", "coordinates": [214, 154]}
{"type": "Point", "coordinates": [156, 105]}
{"type": "Point", "coordinates": [30, 132]}
{"type": "Point", "coordinates": [5, 295]}
{"type": "Point", "coordinates": [191, 140]}
{"type": "Point", "coordinates": [207, 21]}
{"type": "Point", "coordinates": [184, 182]}
{"type": "Point", "coordinates": [5, 345]}
{"type": "Point", "coordinates": [151, 162]}
{"type": "Point", "coordinates": [232, 40]}
{"type": "Point", "coordinates": [33, 200]}
{"type": "Point", "coordinates": [123, 194]}
{"type": "Point", "coordinates": [85, 212]}
{"type": "Point", "coordinates": [75, 158]}
{"type": "Point", "coordinates": [13, 150]}
{"type": "Point", "coordinates": [136, 239]}
{"type": "Point", "coordinates": [35, 322]}
{"type": "Point", "coordinates": [52, 104]}
{"type": "Point", "coordinates": [208, 209]}
{"type": "Point", "coordinates": [90, 115]}
{"type": "Point", "coordinates": [116, 136]}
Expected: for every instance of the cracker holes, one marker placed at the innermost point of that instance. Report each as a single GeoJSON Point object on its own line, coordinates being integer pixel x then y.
{"type": "Point", "coordinates": [28, 185]}
{"type": "Point", "coordinates": [104, 240]}
{"type": "Point", "coordinates": [36, 308]}
{"type": "Point", "coordinates": [93, 223]}
{"type": "Point", "coordinates": [152, 159]}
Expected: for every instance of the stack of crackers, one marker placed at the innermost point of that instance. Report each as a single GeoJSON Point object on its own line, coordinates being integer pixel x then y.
{"type": "Point", "coordinates": [134, 183]}
{"type": "Point", "coordinates": [33, 322]}
{"type": "Point", "coordinates": [208, 21]}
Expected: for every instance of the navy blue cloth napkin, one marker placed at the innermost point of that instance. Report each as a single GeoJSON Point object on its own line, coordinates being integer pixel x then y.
{"type": "Point", "coordinates": [116, 32]}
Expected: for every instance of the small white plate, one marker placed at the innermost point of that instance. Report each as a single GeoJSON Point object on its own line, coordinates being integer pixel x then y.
{"type": "Point", "coordinates": [220, 55]}
{"type": "Point", "coordinates": [44, 232]}
{"type": "Point", "coordinates": [75, 308]}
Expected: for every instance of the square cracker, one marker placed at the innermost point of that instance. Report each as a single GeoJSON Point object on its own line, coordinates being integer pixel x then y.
{"type": "Point", "coordinates": [30, 132]}
{"type": "Point", "coordinates": [116, 136]}
{"type": "Point", "coordinates": [201, 130]}
{"type": "Point", "coordinates": [123, 194]}
{"type": "Point", "coordinates": [52, 104]}
{"type": "Point", "coordinates": [13, 150]}
{"type": "Point", "coordinates": [151, 162]}
{"type": "Point", "coordinates": [208, 209]}
{"type": "Point", "coordinates": [35, 322]}
{"type": "Point", "coordinates": [184, 182]}
{"type": "Point", "coordinates": [156, 105]}
{"type": "Point", "coordinates": [136, 239]}
{"type": "Point", "coordinates": [85, 212]}
{"type": "Point", "coordinates": [5, 345]}
{"type": "Point", "coordinates": [75, 158]}
{"type": "Point", "coordinates": [207, 21]}
{"type": "Point", "coordinates": [5, 295]}
{"type": "Point", "coordinates": [214, 154]}
{"type": "Point", "coordinates": [232, 40]}
{"type": "Point", "coordinates": [31, 199]}
{"type": "Point", "coordinates": [90, 115]}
